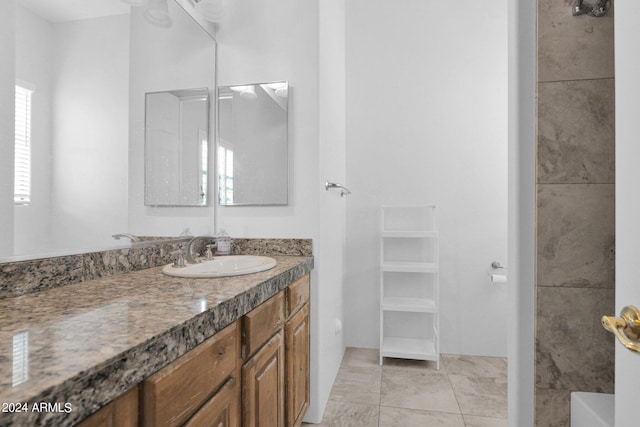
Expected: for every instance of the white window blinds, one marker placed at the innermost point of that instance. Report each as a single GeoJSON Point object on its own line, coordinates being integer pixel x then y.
{"type": "Point", "coordinates": [22, 165]}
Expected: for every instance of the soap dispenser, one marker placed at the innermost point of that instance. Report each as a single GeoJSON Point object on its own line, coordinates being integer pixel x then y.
{"type": "Point", "coordinates": [223, 243]}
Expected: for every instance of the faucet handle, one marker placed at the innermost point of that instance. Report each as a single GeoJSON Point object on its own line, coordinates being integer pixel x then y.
{"type": "Point", "coordinates": [178, 259]}
{"type": "Point", "coordinates": [208, 254]}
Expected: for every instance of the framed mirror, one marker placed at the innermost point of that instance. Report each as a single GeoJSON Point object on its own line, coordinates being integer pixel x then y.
{"type": "Point", "coordinates": [176, 147]}
{"type": "Point", "coordinates": [253, 144]}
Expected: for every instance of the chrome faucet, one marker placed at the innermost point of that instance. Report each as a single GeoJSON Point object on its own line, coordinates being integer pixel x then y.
{"type": "Point", "coordinates": [193, 258]}
{"type": "Point", "coordinates": [127, 235]}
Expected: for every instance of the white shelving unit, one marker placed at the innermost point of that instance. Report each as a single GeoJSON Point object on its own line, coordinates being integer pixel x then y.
{"type": "Point", "coordinates": [409, 283]}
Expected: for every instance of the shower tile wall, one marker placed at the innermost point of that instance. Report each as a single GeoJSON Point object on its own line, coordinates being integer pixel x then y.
{"type": "Point", "coordinates": [575, 208]}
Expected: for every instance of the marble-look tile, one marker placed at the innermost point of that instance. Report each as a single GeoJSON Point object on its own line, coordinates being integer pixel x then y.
{"type": "Point", "coordinates": [475, 366]}
{"type": "Point", "coordinates": [357, 385]}
{"type": "Point", "coordinates": [481, 396]}
{"type": "Point", "coordinates": [573, 47]}
{"type": "Point", "coordinates": [340, 414]}
{"type": "Point", "coordinates": [398, 417]}
{"type": "Point", "coordinates": [417, 389]}
{"type": "Point", "coordinates": [553, 408]}
{"type": "Point", "coordinates": [576, 132]}
{"type": "Point", "coordinates": [573, 351]}
{"type": "Point", "coordinates": [361, 357]}
{"type": "Point", "coordinates": [576, 235]}
{"type": "Point", "coordinates": [475, 421]}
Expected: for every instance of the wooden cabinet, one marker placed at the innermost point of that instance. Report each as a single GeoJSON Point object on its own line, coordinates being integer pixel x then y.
{"type": "Point", "coordinates": [174, 394]}
{"type": "Point", "coordinates": [253, 373]}
{"type": "Point", "coordinates": [297, 361]}
{"type": "Point", "coordinates": [275, 381]}
{"type": "Point", "coordinates": [222, 410]}
{"type": "Point", "coordinates": [298, 294]}
{"type": "Point", "coordinates": [263, 386]}
{"type": "Point", "coordinates": [122, 412]}
{"type": "Point", "coordinates": [261, 323]}
{"type": "Point", "coordinates": [297, 342]}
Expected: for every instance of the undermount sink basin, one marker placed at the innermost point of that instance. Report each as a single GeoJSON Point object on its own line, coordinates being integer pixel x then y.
{"type": "Point", "coordinates": [223, 266]}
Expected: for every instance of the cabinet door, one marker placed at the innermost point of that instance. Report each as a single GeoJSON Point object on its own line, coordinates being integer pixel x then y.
{"type": "Point", "coordinates": [297, 360]}
{"type": "Point", "coordinates": [173, 394]}
{"type": "Point", "coordinates": [263, 386]}
{"type": "Point", "coordinates": [122, 412]}
{"type": "Point", "coordinates": [222, 410]}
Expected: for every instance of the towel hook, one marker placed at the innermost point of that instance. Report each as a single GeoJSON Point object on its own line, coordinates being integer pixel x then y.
{"type": "Point", "coordinates": [343, 189]}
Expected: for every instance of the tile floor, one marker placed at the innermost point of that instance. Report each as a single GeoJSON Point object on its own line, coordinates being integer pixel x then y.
{"type": "Point", "coordinates": [467, 391]}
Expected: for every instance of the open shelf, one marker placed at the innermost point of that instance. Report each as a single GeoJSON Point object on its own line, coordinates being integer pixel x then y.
{"type": "Point", "coordinates": [409, 283]}
{"type": "Point", "coordinates": [415, 305]}
{"type": "Point", "coordinates": [409, 267]}
{"type": "Point", "coordinates": [409, 348]}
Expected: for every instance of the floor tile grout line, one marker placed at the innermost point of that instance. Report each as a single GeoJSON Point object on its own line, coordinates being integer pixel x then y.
{"type": "Point", "coordinates": [422, 410]}
{"type": "Point", "coordinates": [455, 395]}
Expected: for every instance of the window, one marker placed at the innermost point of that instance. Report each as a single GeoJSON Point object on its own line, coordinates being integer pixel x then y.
{"type": "Point", "coordinates": [22, 165]}
{"type": "Point", "coordinates": [225, 175]}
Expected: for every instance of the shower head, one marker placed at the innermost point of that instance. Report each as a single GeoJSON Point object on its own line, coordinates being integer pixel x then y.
{"type": "Point", "coordinates": [579, 7]}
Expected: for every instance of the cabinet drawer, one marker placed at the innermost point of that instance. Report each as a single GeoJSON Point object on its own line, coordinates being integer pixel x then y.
{"type": "Point", "coordinates": [122, 412]}
{"type": "Point", "coordinates": [297, 294]}
{"type": "Point", "coordinates": [222, 410]}
{"type": "Point", "coordinates": [261, 323]}
{"type": "Point", "coordinates": [173, 394]}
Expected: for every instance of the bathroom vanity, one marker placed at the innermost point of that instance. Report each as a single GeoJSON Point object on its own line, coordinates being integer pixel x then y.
{"type": "Point", "coordinates": [143, 348]}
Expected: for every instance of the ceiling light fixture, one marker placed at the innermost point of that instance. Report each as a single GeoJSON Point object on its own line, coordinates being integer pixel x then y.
{"type": "Point", "coordinates": [211, 10]}
{"type": "Point", "coordinates": [157, 13]}
{"type": "Point", "coordinates": [249, 93]}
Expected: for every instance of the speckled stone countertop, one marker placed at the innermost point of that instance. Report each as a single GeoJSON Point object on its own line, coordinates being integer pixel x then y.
{"type": "Point", "coordinates": [85, 343]}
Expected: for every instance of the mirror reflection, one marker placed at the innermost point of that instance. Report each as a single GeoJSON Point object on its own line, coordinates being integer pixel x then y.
{"type": "Point", "coordinates": [74, 62]}
{"type": "Point", "coordinates": [82, 71]}
{"type": "Point", "coordinates": [176, 137]}
{"type": "Point", "coordinates": [253, 165]}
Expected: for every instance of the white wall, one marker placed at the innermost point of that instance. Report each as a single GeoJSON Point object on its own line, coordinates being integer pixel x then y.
{"type": "Point", "coordinates": [426, 123]}
{"type": "Point", "coordinates": [330, 245]}
{"type": "Point", "coordinates": [34, 47]}
{"type": "Point", "coordinates": [179, 57]}
{"type": "Point", "coordinates": [7, 125]}
{"type": "Point", "coordinates": [271, 41]}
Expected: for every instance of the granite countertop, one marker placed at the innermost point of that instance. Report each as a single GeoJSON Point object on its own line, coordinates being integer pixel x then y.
{"type": "Point", "coordinates": [78, 346]}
